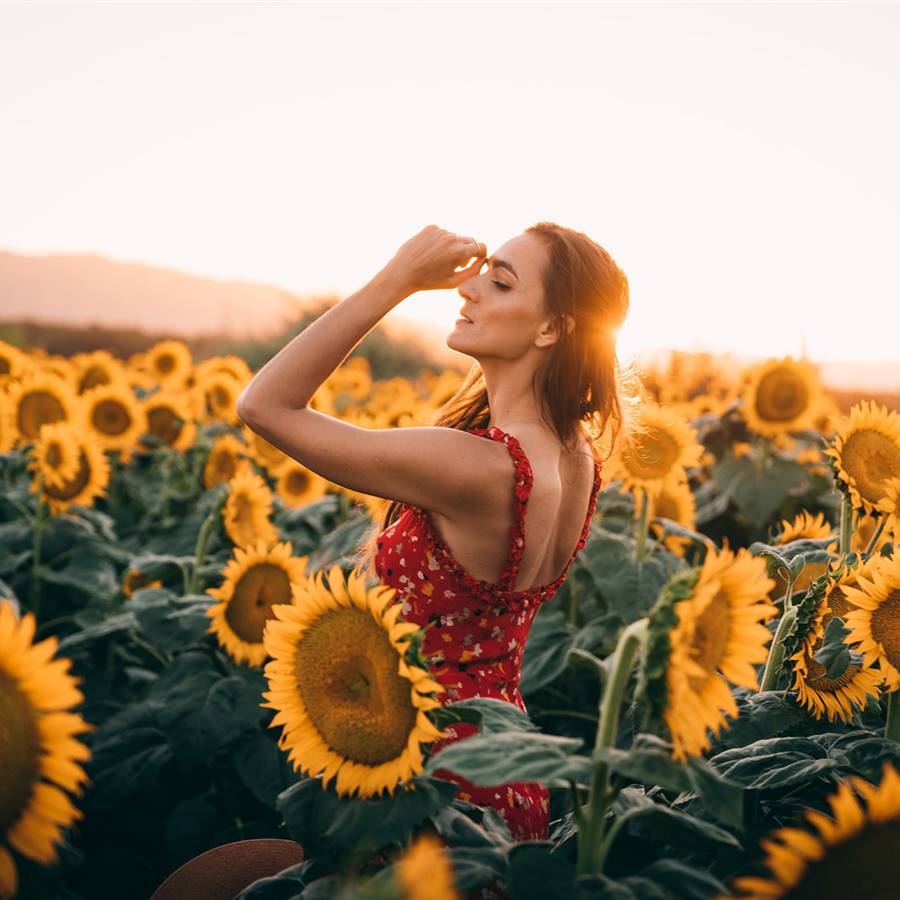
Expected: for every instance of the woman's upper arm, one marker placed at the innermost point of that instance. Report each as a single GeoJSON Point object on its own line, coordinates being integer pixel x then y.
{"type": "Point", "coordinates": [433, 467]}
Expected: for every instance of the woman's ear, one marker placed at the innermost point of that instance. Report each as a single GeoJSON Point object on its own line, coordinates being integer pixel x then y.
{"type": "Point", "coordinates": [554, 330]}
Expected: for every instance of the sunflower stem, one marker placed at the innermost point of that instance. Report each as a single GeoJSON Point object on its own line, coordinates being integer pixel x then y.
{"type": "Point", "coordinates": [203, 536]}
{"type": "Point", "coordinates": [892, 725]}
{"type": "Point", "coordinates": [591, 849]}
{"type": "Point", "coordinates": [641, 535]}
{"type": "Point", "coordinates": [870, 547]}
{"type": "Point", "coordinates": [846, 524]}
{"type": "Point", "coordinates": [775, 658]}
{"type": "Point", "coordinates": [40, 523]}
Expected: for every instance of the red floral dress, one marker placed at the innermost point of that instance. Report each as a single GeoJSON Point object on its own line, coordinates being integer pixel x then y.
{"type": "Point", "coordinates": [478, 629]}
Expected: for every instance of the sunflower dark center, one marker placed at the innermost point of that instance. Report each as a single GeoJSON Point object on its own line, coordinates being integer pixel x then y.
{"type": "Point", "coordinates": [36, 409]}
{"type": "Point", "coordinates": [5, 367]}
{"type": "Point", "coordinates": [165, 363]}
{"type": "Point", "coordinates": [870, 458]}
{"type": "Point", "coordinates": [221, 397]}
{"type": "Point", "coordinates": [225, 464]}
{"type": "Point", "coordinates": [93, 377]}
{"type": "Point", "coordinates": [653, 455]}
{"type": "Point", "coordinates": [347, 676]}
{"type": "Point", "coordinates": [74, 486]}
{"type": "Point", "coordinates": [863, 867]}
{"type": "Point", "coordinates": [886, 627]}
{"type": "Point", "coordinates": [19, 751]}
{"type": "Point", "coordinates": [710, 638]}
{"type": "Point", "coordinates": [297, 482]}
{"type": "Point", "coordinates": [256, 592]}
{"type": "Point", "coordinates": [111, 417]}
{"type": "Point", "coordinates": [781, 396]}
{"type": "Point", "coordinates": [164, 423]}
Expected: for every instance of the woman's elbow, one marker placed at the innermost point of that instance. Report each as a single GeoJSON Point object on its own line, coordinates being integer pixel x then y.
{"type": "Point", "coordinates": [245, 410]}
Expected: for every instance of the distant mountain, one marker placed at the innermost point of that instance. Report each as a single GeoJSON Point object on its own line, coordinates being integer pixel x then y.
{"type": "Point", "coordinates": [86, 290]}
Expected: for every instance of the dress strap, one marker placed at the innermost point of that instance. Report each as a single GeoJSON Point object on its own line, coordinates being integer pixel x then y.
{"type": "Point", "coordinates": [521, 493]}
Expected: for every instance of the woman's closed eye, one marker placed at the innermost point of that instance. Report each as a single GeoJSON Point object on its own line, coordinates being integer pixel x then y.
{"type": "Point", "coordinates": [502, 285]}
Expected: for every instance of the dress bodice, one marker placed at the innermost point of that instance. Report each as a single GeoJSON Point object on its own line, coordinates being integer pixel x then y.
{"type": "Point", "coordinates": [475, 630]}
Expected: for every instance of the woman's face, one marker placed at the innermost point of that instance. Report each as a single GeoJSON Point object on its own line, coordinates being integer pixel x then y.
{"type": "Point", "coordinates": [505, 302]}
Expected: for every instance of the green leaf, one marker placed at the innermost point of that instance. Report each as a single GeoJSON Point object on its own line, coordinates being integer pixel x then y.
{"type": "Point", "coordinates": [649, 762]}
{"type": "Point", "coordinates": [207, 714]}
{"type": "Point", "coordinates": [548, 642]}
{"type": "Point", "coordinates": [627, 589]}
{"type": "Point", "coordinates": [834, 654]}
{"type": "Point", "coordinates": [494, 759]}
{"type": "Point", "coordinates": [775, 763]}
{"type": "Point", "coordinates": [537, 873]}
{"type": "Point", "coordinates": [756, 486]}
{"type": "Point", "coordinates": [86, 574]}
{"type": "Point", "coordinates": [317, 817]}
{"type": "Point", "coordinates": [761, 715]}
{"type": "Point", "coordinates": [117, 624]}
{"type": "Point", "coordinates": [170, 622]}
{"type": "Point", "coordinates": [488, 713]}
{"type": "Point", "coordinates": [263, 768]}
{"type": "Point", "coordinates": [653, 821]}
{"type": "Point", "coordinates": [683, 881]}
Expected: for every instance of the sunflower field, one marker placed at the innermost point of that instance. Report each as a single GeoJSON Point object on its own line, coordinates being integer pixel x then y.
{"type": "Point", "coordinates": [189, 658]}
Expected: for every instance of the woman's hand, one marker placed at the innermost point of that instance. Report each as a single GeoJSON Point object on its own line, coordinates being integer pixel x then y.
{"type": "Point", "coordinates": [428, 260]}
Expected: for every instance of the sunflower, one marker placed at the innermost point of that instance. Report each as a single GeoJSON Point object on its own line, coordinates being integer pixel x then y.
{"type": "Point", "coordinates": [255, 580]}
{"type": "Point", "coordinates": [230, 364]}
{"type": "Point", "coordinates": [424, 871]}
{"type": "Point", "coordinates": [41, 757]}
{"type": "Point", "coordinates": [36, 400]}
{"type": "Point", "coordinates": [59, 366]}
{"type": "Point", "coordinates": [852, 854]}
{"type": "Point", "coordinates": [169, 362]}
{"type": "Point", "coordinates": [56, 454]}
{"type": "Point", "coordinates": [8, 434]}
{"type": "Point", "coordinates": [299, 486]}
{"type": "Point", "coordinates": [833, 697]}
{"type": "Point", "coordinates": [97, 368]}
{"type": "Point", "coordinates": [115, 416]}
{"type": "Point", "coordinates": [780, 395]}
{"type": "Point", "coordinates": [706, 627]}
{"type": "Point", "coordinates": [351, 381]}
{"type": "Point", "coordinates": [866, 526]}
{"type": "Point", "coordinates": [675, 501]}
{"type": "Point", "coordinates": [222, 463]}
{"type": "Point", "coordinates": [247, 510]}
{"type": "Point", "coordinates": [866, 454]}
{"type": "Point", "coordinates": [270, 457]}
{"type": "Point", "coordinates": [875, 623]}
{"type": "Point", "coordinates": [169, 419]}
{"type": "Point", "coordinates": [827, 415]}
{"type": "Point", "coordinates": [216, 398]}
{"type": "Point", "coordinates": [135, 579]}
{"type": "Point", "coordinates": [88, 482]}
{"type": "Point", "coordinates": [662, 446]}
{"type": "Point", "coordinates": [13, 363]}
{"type": "Point", "coordinates": [353, 705]}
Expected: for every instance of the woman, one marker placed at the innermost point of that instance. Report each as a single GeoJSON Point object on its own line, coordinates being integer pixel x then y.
{"type": "Point", "coordinates": [540, 322]}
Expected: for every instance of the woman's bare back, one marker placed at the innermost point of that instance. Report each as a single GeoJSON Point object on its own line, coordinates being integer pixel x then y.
{"type": "Point", "coordinates": [478, 537]}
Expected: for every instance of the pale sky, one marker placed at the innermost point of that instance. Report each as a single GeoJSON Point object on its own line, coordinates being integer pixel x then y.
{"type": "Point", "coordinates": [740, 161]}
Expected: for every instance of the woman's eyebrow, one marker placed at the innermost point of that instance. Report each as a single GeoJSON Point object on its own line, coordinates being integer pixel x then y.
{"type": "Point", "coordinates": [502, 264]}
